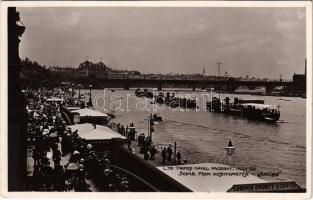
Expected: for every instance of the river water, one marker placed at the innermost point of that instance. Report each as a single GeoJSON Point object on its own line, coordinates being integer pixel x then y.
{"type": "Point", "coordinates": [202, 136]}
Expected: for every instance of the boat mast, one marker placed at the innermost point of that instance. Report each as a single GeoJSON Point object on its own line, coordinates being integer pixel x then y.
{"type": "Point", "coordinates": [218, 77]}
{"type": "Point", "coordinates": [211, 98]}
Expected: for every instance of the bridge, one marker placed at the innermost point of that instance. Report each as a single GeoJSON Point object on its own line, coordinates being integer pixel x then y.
{"type": "Point", "coordinates": [229, 84]}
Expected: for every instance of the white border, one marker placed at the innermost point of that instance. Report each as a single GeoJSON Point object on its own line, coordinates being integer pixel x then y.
{"type": "Point", "coordinates": [145, 195]}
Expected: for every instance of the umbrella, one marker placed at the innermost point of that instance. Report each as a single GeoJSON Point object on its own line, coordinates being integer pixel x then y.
{"type": "Point", "coordinates": [54, 134]}
{"type": "Point", "coordinates": [76, 152]}
{"type": "Point", "coordinates": [72, 167]}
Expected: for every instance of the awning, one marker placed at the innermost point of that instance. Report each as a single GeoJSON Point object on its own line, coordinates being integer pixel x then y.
{"type": "Point", "coordinates": [72, 108]}
{"type": "Point", "coordinates": [260, 106]}
{"type": "Point", "coordinates": [56, 99]}
{"type": "Point", "coordinates": [90, 113]}
{"type": "Point", "coordinates": [90, 132]}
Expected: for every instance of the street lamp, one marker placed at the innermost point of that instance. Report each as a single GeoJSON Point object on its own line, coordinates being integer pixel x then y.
{"type": "Point", "coordinates": [90, 100]}
{"type": "Point", "coordinates": [72, 89]}
{"type": "Point", "coordinates": [79, 86]}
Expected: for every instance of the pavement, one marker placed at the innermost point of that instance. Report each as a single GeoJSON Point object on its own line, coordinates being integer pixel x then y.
{"type": "Point", "coordinates": [209, 177]}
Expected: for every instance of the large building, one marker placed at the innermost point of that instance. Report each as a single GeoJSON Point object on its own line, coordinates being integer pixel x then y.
{"type": "Point", "coordinates": [299, 81]}
{"type": "Point", "coordinates": [98, 70]}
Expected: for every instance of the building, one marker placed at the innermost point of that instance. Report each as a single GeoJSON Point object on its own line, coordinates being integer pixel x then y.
{"type": "Point", "coordinates": [299, 81]}
{"type": "Point", "coordinates": [69, 70]}
{"type": "Point", "coordinates": [98, 70]}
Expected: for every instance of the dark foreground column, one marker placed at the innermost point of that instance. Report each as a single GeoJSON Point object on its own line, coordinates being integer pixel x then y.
{"type": "Point", "coordinates": [16, 108]}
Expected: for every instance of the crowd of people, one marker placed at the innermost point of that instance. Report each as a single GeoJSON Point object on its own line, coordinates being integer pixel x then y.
{"type": "Point", "coordinates": [129, 131]}
{"type": "Point", "coordinates": [62, 161]}
{"type": "Point", "coordinates": [146, 146]}
{"type": "Point", "coordinates": [167, 156]}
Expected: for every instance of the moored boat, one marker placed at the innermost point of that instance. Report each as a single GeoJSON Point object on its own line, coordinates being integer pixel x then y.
{"type": "Point", "coordinates": [253, 109]}
{"type": "Point", "coordinates": [143, 93]}
{"type": "Point", "coordinates": [175, 100]}
{"type": "Point", "coordinates": [157, 117]}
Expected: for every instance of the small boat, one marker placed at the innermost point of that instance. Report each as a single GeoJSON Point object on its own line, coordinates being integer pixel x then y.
{"type": "Point", "coordinates": [281, 99]}
{"type": "Point", "coordinates": [143, 93]}
{"type": "Point", "coordinates": [157, 118]}
{"type": "Point", "coordinates": [249, 101]}
{"type": "Point", "coordinates": [177, 101]}
{"type": "Point", "coordinates": [159, 98]}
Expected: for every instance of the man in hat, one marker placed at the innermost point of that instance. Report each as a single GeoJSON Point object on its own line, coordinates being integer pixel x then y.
{"type": "Point", "coordinates": [178, 156]}
{"type": "Point", "coordinates": [153, 152]}
{"type": "Point", "coordinates": [163, 155]}
{"type": "Point", "coordinates": [169, 152]}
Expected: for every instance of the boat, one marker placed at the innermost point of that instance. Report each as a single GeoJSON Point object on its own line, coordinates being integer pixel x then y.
{"type": "Point", "coordinates": [251, 110]}
{"type": "Point", "coordinates": [143, 93]}
{"type": "Point", "coordinates": [187, 103]}
{"type": "Point", "coordinates": [157, 117]}
{"type": "Point", "coordinates": [159, 98]}
{"type": "Point", "coordinates": [249, 101]}
{"type": "Point", "coordinates": [177, 101]}
{"type": "Point", "coordinates": [281, 99]}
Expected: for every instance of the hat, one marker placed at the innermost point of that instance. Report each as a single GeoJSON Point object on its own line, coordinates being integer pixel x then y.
{"type": "Point", "coordinates": [76, 152]}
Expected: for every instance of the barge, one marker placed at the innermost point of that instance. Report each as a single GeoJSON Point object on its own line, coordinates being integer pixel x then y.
{"type": "Point", "coordinates": [252, 109]}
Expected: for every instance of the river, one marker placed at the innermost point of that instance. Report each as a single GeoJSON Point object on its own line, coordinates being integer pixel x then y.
{"type": "Point", "coordinates": [202, 136]}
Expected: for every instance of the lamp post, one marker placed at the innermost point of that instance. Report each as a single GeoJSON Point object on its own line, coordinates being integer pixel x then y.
{"type": "Point", "coordinates": [72, 89]}
{"type": "Point", "coordinates": [90, 100]}
{"type": "Point", "coordinates": [79, 86]}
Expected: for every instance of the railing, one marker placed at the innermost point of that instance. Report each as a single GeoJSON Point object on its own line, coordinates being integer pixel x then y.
{"type": "Point", "coordinates": [205, 78]}
{"type": "Point", "coordinates": [150, 174]}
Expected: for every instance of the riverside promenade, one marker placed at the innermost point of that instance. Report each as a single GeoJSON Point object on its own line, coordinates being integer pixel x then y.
{"type": "Point", "coordinates": [199, 177]}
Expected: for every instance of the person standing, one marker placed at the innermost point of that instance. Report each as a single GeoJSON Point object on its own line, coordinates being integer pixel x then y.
{"type": "Point", "coordinates": [163, 153]}
{"type": "Point", "coordinates": [56, 156]}
{"type": "Point", "coordinates": [145, 153]}
{"type": "Point", "coordinates": [178, 156]}
{"type": "Point", "coordinates": [169, 152]}
{"type": "Point", "coordinates": [230, 143]}
{"type": "Point", "coordinates": [153, 152]}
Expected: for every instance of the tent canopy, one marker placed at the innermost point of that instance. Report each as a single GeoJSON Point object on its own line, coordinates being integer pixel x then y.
{"type": "Point", "coordinates": [91, 113]}
{"type": "Point", "coordinates": [90, 132]}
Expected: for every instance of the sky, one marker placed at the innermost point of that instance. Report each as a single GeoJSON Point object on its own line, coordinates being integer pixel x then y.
{"type": "Point", "coordinates": [259, 42]}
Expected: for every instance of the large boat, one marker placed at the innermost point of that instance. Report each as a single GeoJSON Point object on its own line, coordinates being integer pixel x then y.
{"type": "Point", "coordinates": [253, 109]}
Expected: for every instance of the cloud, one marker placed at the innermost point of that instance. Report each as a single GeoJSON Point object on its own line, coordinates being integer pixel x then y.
{"type": "Point", "coordinates": [247, 40]}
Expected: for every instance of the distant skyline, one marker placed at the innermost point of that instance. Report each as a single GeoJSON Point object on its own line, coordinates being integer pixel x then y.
{"type": "Point", "coordinates": [259, 42]}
